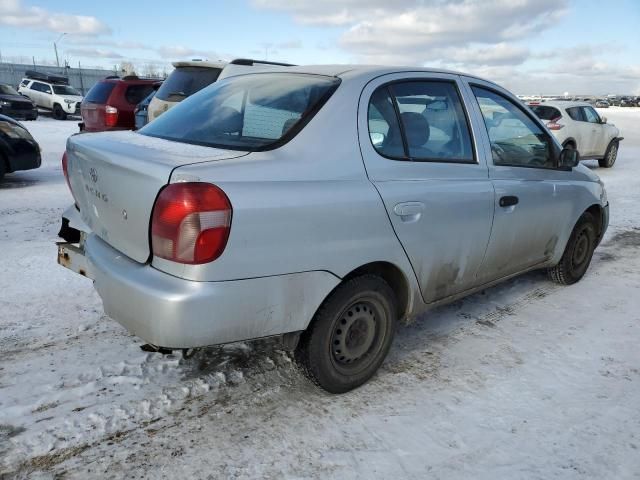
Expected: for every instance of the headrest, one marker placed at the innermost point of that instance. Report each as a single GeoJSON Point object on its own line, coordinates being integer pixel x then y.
{"type": "Point", "coordinates": [416, 128]}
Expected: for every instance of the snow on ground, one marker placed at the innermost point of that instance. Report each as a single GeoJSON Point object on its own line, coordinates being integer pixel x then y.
{"type": "Point", "coordinates": [525, 380]}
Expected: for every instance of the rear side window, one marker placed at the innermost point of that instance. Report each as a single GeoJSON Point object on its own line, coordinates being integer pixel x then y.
{"type": "Point", "coordinates": [136, 93]}
{"type": "Point", "coordinates": [40, 87]}
{"type": "Point", "coordinates": [576, 114]}
{"type": "Point", "coordinates": [100, 92]}
{"type": "Point", "coordinates": [545, 112]}
{"type": "Point", "coordinates": [420, 121]}
{"type": "Point", "coordinates": [251, 113]}
{"type": "Point", "coordinates": [185, 81]}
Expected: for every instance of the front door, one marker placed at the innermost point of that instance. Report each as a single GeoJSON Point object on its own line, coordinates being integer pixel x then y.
{"type": "Point", "coordinates": [532, 197]}
{"type": "Point", "coordinates": [596, 130]}
{"type": "Point", "coordinates": [417, 142]}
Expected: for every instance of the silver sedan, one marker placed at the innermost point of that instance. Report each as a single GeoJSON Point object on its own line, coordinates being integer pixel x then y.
{"type": "Point", "coordinates": [324, 205]}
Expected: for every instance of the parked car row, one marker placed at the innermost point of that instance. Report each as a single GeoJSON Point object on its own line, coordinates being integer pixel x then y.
{"type": "Point", "coordinates": [324, 205]}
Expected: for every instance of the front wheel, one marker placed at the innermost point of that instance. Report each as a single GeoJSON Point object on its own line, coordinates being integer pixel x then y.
{"type": "Point", "coordinates": [350, 334]}
{"type": "Point", "coordinates": [578, 252]}
{"type": "Point", "coordinates": [610, 155]}
{"type": "Point", "coordinates": [59, 113]}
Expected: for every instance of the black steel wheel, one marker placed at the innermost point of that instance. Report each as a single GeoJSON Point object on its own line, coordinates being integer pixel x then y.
{"type": "Point", "coordinates": [350, 335]}
{"type": "Point", "coordinates": [578, 252]}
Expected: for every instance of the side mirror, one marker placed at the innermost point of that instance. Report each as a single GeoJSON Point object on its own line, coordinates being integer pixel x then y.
{"type": "Point", "coordinates": [569, 158]}
{"type": "Point", "coordinates": [603, 119]}
{"type": "Point", "coordinates": [377, 138]}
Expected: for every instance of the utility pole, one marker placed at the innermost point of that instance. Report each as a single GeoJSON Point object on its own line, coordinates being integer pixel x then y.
{"type": "Point", "coordinates": [55, 48]}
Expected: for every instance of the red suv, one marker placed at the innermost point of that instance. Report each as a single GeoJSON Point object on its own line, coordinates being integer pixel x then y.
{"type": "Point", "coordinates": [111, 102]}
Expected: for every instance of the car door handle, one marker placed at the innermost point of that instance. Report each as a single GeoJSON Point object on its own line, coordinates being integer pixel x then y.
{"type": "Point", "coordinates": [409, 211]}
{"type": "Point", "coordinates": [508, 201]}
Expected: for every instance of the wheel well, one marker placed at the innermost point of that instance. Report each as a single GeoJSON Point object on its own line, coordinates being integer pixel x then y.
{"type": "Point", "coordinates": [596, 211]}
{"type": "Point", "coordinates": [390, 274]}
{"type": "Point", "coordinates": [570, 141]}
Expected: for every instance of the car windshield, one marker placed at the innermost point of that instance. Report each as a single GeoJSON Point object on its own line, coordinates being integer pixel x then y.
{"type": "Point", "coordinates": [252, 112]}
{"type": "Point", "coordinates": [65, 90]}
{"type": "Point", "coordinates": [185, 81]}
{"type": "Point", "coordinates": [8, 90]}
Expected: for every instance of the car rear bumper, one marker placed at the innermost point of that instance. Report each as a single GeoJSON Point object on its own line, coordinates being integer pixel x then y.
{"type": "Point", "coordinates": [172, 312]}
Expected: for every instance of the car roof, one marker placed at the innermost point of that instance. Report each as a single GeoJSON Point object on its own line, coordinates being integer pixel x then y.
{"type": "Point", "coordinates": [352, 71]}
{"type": "Point", "coordinates": [562, 104]}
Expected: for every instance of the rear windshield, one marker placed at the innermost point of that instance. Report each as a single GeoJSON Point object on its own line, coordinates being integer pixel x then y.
{"type": "Point", "coordinates": [100, 92]}
{"type": "Point", "coordinates": [136, 93]}
{"type": "Point", "coordinates": [252, 112]}
{"type": "Point", "coordinates": [545, 112]}
{"type": "Point", "coordinates": [65, 90]}
{"type": "Point", "coordinates": [185, 81]}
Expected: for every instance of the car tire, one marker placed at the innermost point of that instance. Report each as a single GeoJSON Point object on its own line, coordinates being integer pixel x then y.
{"type": "Point", "coordinates": [350, 334]}
{"type": "Point", "coordinates": [59, 113]}
{"type": "Point", "coordinates": [3, 166]}
{"type": "Point", "coordinates": [610, 155]}
{"type": "Point", "coordinates": [578, 252]}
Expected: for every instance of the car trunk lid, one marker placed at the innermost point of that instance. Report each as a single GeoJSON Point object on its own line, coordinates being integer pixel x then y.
{"type": "Point", "coordinates": [116, 176]}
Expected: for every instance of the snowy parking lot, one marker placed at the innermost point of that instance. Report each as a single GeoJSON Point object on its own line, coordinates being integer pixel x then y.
{"type": "Point", "coordinates": [527, 380]}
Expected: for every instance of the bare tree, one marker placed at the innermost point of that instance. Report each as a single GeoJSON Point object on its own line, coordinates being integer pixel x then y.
{"type": "Point", "coordinates": [127, 68]}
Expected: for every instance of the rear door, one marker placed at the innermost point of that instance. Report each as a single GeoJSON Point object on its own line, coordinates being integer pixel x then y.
{"type": "Point", "coordinates": [533, 201]}
{"type": "Point", "coordinates": [417, 141]}
{"type": "Point", "coordinates": [582, 130]}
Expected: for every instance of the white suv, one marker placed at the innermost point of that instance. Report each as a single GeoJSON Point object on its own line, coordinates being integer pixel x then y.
{"type": "Point", "coordinates": [578, 125]}
{"type": "Point", "coordinates": [52, 92]}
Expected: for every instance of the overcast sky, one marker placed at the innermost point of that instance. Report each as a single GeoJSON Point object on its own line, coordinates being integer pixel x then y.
{"type": "Point", "coordinates": [529, 46]}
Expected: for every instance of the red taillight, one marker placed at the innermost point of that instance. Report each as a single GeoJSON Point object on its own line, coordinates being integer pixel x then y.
{"type": "Point", "coordinates": [65, 171]}
{"type": "Point", "coordinates": [110, 116]}
{"type": "Point", "coordinates": [190, 223]}
{"type": "Point", "coordinates": [554, 125]}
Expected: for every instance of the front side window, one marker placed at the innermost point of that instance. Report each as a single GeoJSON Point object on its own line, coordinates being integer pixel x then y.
{"type": "Point", "coordinates": [576, 114]}
{"type": "Point", "coordinates": [516, 140]}
{"type": "Point", "coordinates": [591, 115]}
{"type": "Point", "coordinates": [251, 113]}
{"type": "Point", "coordinates": [420, 121]}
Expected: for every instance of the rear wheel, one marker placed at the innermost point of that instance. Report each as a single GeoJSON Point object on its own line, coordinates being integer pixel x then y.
{"type": "Point", "coordinates": [578, 252]}
{"type": "Point", "coordinates": [610, 155]}
{"type": "Point", "coordinates": [3, 166]}
{"type": "Point", "coordinates": [350, 335]}
{"type": "Point", "coordinates": [59, 113]}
